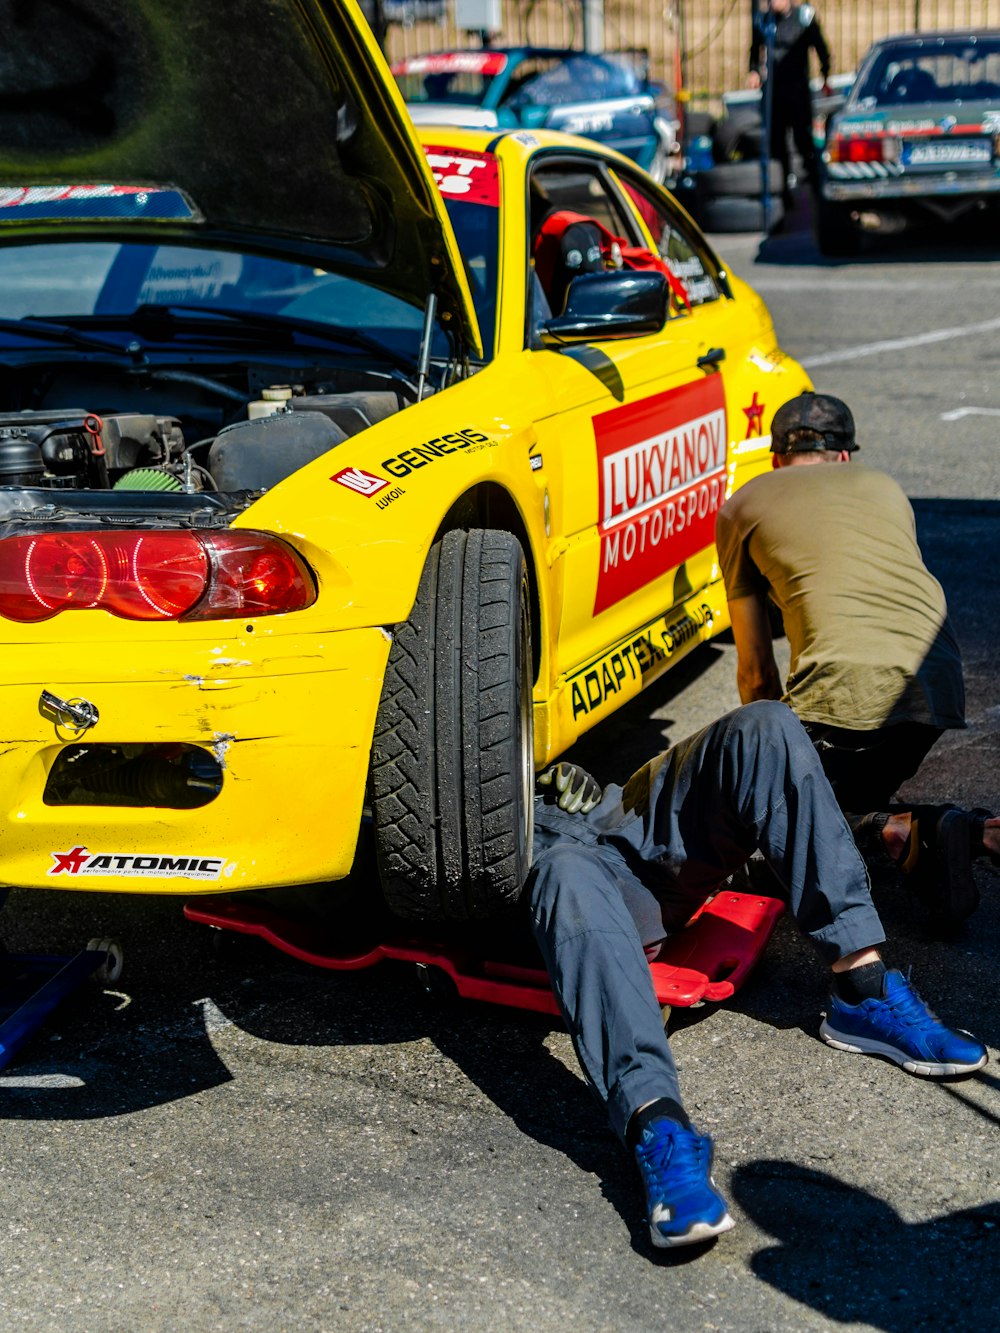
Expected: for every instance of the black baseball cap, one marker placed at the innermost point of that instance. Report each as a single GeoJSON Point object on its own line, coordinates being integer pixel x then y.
{"type": "Point", "coordinates": [812, 422]}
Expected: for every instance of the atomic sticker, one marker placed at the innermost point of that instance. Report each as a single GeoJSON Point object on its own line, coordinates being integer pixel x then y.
{"type": "Point", "coordinates": [80, 861]}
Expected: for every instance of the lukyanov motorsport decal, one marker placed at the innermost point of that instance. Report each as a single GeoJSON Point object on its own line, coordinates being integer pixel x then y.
{"type": "Point", "coordinates": [80, 861]}
{"type": "Point", "coordinates": [662, 478]}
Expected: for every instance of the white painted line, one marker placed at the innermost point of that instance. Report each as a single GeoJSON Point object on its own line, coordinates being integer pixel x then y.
{"type": "Point", "coordinates": [959, 412]}
{"type": "Point", "coordinates": [900, 344]}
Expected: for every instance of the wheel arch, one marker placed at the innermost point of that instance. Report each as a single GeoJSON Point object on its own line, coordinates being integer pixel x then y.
{"type": "Point", "coordinates": [490, 506]}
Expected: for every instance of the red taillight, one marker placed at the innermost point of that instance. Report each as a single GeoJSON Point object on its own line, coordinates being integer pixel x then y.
{"type": "Point", "coordinates": [151, 575]}
{"type": "Point", "coordinates": [848, 148]}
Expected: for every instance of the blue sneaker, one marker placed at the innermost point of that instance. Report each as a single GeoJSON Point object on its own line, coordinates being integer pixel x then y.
{"type": "Point", "coordinates": [901, 1027]}
{"type": "Point", "coordinates": [682, 1204]}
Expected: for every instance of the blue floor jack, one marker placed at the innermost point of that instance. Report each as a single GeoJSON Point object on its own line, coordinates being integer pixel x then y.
{"type": "Point", "coordinates": [32, 985]}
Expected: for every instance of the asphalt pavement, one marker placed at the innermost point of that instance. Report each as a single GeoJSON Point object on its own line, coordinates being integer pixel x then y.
{"type": "Point", "coordinates": [228, 1139]}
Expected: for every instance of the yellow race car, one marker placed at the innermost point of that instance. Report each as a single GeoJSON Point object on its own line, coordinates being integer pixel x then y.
{"type": "Point", "coordinates": [340, 471]}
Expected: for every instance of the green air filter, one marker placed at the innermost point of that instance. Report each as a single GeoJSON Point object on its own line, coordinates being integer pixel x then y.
{"type": "Point", "coordinates": [147, 479]}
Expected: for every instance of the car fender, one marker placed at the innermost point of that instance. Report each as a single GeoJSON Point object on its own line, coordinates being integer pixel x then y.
{"type": "Point", "coordinates": [366, 513]}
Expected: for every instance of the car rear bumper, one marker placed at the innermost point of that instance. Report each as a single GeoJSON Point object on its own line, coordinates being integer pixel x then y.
{"type": "Point", "coordinates": [943, 186]}
{"type": "Point", "coordinates": [290, 722]}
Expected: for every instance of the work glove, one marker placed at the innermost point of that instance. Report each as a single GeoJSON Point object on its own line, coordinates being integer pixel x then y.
{"type": "Point", "coordinates": [570, 787]}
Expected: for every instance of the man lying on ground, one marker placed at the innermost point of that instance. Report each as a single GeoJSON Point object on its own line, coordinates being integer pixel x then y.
{"type": "Point", "coordinates": [615, 873]}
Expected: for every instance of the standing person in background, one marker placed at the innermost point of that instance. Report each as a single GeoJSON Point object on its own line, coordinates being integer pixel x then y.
{"type": "Point", "coordinates": [796, 32]}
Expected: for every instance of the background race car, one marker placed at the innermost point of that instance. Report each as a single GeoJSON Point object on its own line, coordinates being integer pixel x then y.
{"type": "Point", "coordinates": [606, 97]}
{"type": "Point", "coordinates": [916, 142]}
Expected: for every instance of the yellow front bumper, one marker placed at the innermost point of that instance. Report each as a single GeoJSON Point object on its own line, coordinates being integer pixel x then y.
{"type": "Point", "coordinates": [290, 719]}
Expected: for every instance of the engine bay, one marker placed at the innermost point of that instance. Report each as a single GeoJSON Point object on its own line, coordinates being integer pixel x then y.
{"type": "Point", "coordinates": [172, 440]}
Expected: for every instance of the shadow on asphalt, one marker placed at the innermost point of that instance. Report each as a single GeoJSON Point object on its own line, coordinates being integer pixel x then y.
{"type": "Point", "coordinates": [849, 1256]}
{"type": "Point", "coordinates": [794, 244]}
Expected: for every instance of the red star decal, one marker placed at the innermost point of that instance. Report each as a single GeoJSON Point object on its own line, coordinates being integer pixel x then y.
{"type": "Point", "coordinates": [69, 863]}
{"type": "Point", "coordinates": [755, 416]}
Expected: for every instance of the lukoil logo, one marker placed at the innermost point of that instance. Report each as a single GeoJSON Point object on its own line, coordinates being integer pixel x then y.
{"type": "Point", "coordinates": [356, 479]}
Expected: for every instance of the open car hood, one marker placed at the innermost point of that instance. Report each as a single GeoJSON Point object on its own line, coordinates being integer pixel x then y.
{"type": "Point", "coordinates": [270, 125]}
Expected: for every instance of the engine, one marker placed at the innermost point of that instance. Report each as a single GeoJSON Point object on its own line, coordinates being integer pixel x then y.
{"type": "Point", "coordinates": [78, 450]}
{"type": "Point", "coordinates": [72, 449]}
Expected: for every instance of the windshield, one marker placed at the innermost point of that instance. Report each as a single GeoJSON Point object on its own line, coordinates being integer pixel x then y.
{"type": "Point", "coordinates": [75, 280]}
{"type": "Point", "coordinates": [476, 230]}
{"type": "Point", "coordinates": [936, 70]}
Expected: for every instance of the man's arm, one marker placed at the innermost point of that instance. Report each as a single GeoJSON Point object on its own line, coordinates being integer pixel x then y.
{"type": "Point", "coordinates": [822, 50]}
{"type": "Point", "coordinates": [756, 670]}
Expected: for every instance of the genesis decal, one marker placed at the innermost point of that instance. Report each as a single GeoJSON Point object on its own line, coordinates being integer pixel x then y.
{"type": "Point", "coordinates": [401, 465]}
{"type": "Point", "coordinates": [356, 479]}
{"type": "Point", "coordinates": [462, 174]}
{"type": "Point", "coordinates": [80, 861]}
{"type": "Point", "coordinates": [661, 480]}
{"type": "Point", "coordinates": [626, 666]}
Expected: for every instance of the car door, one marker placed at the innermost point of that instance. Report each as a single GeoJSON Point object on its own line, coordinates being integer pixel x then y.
{"type": "Point", "coordinates": [635, 450]}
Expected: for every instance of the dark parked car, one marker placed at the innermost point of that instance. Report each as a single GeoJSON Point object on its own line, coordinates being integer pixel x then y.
{"type": "Point", "coordinates": [606, 97]}
{"type": "Point", "coordinates": [916, 139]}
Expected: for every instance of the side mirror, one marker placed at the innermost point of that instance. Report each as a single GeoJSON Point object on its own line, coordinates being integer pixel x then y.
{"type": "Point", "coordinates": [623, 304]}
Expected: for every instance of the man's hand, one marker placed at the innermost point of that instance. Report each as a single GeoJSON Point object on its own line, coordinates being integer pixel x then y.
{"type": "Point", "coordinates": [570, 787]}
{"type": "Point", "coordinates": [753, 79]}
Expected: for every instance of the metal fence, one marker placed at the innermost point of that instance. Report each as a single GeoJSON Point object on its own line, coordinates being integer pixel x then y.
{"type": "Point", "coordinates": [704, 42]}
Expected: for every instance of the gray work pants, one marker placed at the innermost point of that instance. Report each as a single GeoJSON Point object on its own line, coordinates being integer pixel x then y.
{"type": "Point", "coordinates": [607, 885]}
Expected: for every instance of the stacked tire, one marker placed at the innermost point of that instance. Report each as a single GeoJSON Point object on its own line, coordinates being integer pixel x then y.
{"type": "Point", "coordinates": [726, 191]}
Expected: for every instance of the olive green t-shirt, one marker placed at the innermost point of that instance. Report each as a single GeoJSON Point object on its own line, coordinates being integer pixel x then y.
{"type": "Point", "coordinates": [834, 544]}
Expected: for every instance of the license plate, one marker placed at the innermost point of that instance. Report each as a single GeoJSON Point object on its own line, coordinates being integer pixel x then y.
{"type": "Point", "coordinates": [950, 152]}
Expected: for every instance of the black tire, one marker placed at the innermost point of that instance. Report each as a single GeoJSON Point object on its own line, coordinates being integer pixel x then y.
{"type": "Point", "coordinates": [731, 213]}
{"type": "Point", "coordinates": [738, 136]}
{"type": "Point", "coordinates": [837, 235]}
{"type": "Point", "coordinates": [740, 178]}
{"type": "Point", "coordinates": [697, 123]}
{"type": "Point", "coordinates": [452, 759]}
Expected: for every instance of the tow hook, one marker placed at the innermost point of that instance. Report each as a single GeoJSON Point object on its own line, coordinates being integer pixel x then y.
{"type": "Point", "coordinates": [78, 714]}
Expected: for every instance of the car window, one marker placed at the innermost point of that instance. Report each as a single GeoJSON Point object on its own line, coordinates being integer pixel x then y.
{"type": "Point", "coordinates": [579, 79]}
{"type": "Point", "coordinates": [526, 71]}
{"type": "Point", "coordinates": [580, 189]}
{"type": "Point", "coordinates": [565, 187]}
{"type": "Point", "coordinates": [958, 70]}
{"type": "Point", "coordinates": [470, 187]}
{"type": "Point", "coordinates": [681, 249]}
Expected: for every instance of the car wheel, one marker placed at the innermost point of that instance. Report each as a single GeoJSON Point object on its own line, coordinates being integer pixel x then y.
{"type": "Point", "coordinates": [453, 754]}
{"type": "Point", "coordinates": [730, 213]}
{"type": "Point", "coordinates": [837, 235]}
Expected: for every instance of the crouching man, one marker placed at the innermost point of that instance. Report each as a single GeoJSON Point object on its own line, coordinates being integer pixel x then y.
{"type": "Point", "coordinates": [614, 874]}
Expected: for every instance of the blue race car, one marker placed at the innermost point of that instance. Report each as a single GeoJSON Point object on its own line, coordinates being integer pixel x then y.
{"type": "Point", "coordinates": [606, 97]}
